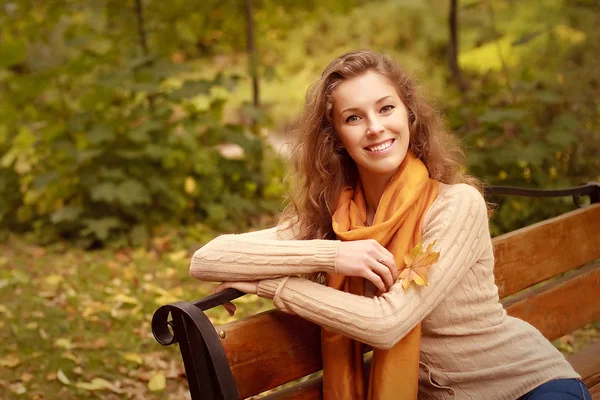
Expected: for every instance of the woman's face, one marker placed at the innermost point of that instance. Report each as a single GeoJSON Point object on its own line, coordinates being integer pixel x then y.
{"type": "Point", "coordinates": [372, 124]}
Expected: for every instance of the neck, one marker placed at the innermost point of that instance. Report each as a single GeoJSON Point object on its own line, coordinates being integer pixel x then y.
{"type": "Point", "coordinates": [373, 188]}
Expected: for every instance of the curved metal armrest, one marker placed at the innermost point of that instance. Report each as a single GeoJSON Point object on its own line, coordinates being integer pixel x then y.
{"type": "Point", "coordinates": [206, 365]}
{"type": "Point", "coordinates": [162, 327]}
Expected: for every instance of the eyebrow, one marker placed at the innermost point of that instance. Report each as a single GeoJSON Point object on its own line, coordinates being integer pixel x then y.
{"type": "Point", "coordinates": [357, 108]}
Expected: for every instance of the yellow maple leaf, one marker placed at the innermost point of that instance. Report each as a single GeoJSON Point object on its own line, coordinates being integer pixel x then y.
{"type": "Point", "coordinates": [418, 263]}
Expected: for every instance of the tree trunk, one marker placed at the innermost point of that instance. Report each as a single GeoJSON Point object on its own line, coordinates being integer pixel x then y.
{"type": "Point", "coordinates": [457, 76]}
{"type": "Point", "coordinates": [252, 56]}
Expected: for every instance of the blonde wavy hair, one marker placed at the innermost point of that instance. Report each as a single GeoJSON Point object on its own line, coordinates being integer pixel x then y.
{"type": "Point", "coordinates": [322, 168]}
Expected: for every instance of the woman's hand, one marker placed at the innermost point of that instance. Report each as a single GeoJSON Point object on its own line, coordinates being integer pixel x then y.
{"type": "Point", "coordinates": [246, 287]}
{"type": "Point", "coordinates": [367, 259]}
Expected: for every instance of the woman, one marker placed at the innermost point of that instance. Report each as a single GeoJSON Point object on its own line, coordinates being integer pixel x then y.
{"type": "Point", "coordinates": [378, 178]}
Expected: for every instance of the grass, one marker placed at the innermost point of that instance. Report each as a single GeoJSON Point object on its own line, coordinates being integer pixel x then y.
{"type": "Point", "coordinates": [76, 324]}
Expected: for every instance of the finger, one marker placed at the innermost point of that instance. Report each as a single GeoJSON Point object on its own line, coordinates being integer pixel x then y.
{"type": "Point", "coordinates": [221, 287]}
{"type": "Point", "coordinates": [390, 265]}
{"type": "Point", "coordinates": [384, 273]}
{"type": "Point", "coordinates": [230, 307]}
{"type": "Point", "coordinates": [390, 262]}
{"type": "Point", "coordinates": [373, 277]}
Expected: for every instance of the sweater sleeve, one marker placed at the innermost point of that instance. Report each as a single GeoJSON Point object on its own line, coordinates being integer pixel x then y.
{"type": "Point", "coordinates": [262, 254]}
{"type": "Point", "coordinates": [457, 220]}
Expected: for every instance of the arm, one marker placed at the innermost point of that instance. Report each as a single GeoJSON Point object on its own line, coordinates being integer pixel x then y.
{"type": "Point", "coordinates": [263, 254]}
{"type": "Point", "coordinates": [457, 220]}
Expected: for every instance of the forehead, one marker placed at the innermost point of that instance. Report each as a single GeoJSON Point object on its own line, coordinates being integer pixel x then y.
{"type": "Point", "coordinates": [364, 89]}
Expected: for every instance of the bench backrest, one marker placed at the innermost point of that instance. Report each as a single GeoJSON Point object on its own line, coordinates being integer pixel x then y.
{"type": "Point", "coordinates": [272, 348]}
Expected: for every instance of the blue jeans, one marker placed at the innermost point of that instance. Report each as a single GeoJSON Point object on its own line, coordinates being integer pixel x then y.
{"type": "Point", "coordinates": [559, 389]}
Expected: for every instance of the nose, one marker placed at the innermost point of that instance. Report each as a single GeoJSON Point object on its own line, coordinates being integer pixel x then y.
{"type": "Point", "coordinates": [375, 127]}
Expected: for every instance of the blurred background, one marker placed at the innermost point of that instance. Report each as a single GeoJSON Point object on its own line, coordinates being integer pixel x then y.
{"type": "Point", "coordinates": [132, 132]}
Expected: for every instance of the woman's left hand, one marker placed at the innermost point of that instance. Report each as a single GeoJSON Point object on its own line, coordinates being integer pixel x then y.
{"type": "Point", "coordinates": [246, 287]}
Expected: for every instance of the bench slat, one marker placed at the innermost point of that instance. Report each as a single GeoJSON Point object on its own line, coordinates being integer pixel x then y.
{"type": "Point", "coordinates": [562, 306]}
{"type": "Point", "coordinates": [587, 364]}
{"type": "Point", "coordinates": [538, 252]}
{"type": "Point", "coordinates": [270, 349]}
{"type": "Point", "coordinates": [311, 389]}
{"type": "Point", "coordinates": [595, 392]}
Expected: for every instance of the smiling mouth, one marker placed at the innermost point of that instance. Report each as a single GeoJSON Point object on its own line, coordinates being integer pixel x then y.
{"type": "Point", "coordinates": [381, 147]}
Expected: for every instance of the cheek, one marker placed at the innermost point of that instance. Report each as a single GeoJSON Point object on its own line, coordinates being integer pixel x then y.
{"type": "Point", "coordinates": [347, 136]}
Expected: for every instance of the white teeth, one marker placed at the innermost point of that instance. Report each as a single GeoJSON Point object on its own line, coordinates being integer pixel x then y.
{"type": "Point", "coordinates": [381, 147]}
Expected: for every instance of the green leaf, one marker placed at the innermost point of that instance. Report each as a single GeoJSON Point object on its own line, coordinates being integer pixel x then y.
{"type": "Point", "coordinates": [100, 134]}
{"type": "Point", "coordinates": [100, 228]}
{"type": "Point", "coordinates": [66, 214]}
{"type": "Point", "coordinates": [104, 192]}
{"type": "Point", "coordinates": [140, 134]}
{"type": "Point", "coordinates": [131, 192]}
{"type": "Point", "coordinates": [216, 212]}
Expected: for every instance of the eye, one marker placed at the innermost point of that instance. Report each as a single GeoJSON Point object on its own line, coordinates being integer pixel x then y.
{"type": "Point", "coordinates": [388, 108]}
{"type": "Point", "coordinates": [352, 118]}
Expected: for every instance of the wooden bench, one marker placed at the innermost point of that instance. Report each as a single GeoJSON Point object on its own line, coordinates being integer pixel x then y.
{"type": "Point", "coordinates": [256, 354]}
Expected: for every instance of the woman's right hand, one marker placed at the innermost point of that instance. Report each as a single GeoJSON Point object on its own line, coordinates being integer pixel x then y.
{"type": "Point", "coordinates": [367, 259]}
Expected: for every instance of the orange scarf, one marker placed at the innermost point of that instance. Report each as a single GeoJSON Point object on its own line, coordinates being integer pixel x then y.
{"type": "Point", "coordinates": [396, 226]}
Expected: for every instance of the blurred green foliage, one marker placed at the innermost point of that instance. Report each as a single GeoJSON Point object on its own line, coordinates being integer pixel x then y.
{"type": "Point", "coordinates": [117, 119]}
{"type": "Point", "coordinates": [101, 139]}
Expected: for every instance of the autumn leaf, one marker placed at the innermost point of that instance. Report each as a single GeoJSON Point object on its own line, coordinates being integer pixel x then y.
{"type": "Point", "coordinates": [4, 310]}
{"type": "Point", "coordinates": [418, 263]}
{"type": "Point", "coordinates": [18, 388]}
{"type": "Point", "coordinates": [158, 382]}
{"type": "Point", "coordinates": [64, 343]}
{"type": "Point", "coordinates": [98, 384]}
{"type": "Point", "coordinates": [9, 361]}
{"type": "Point", "coordinates": [134, 358]}
{"type": "Point", "coordinates": [62, 377]}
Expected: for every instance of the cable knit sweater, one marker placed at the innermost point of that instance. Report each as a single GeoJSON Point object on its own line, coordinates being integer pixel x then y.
{"type": "Point", "coordinates": [470, 348]}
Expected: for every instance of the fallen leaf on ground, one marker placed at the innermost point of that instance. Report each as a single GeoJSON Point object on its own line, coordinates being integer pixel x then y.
{"type": "Point", "coordinates": [98, 384]}
{"type": "Point", "coordinates": [26, 377]}
{"type": "Point", "coordinates": [158, 382]}
{"type": "Point", "coordinates": [9, 361]}
{"type": "Point", "coordinates": [133, 357]}
{"type": "Point", "coordinates": [62, 377]}
{"type": "Point", "coordinates": [69, 355]}
{"type": "Point", "coordinates": [43, 334]}
{"type": "Point", "coordinates": [4, 310]}
{"type": "Point", "coordinates": [64, 343]}
{"type": "Point", "coordinates": [31, 325]}
{"type": "Point", "coordinates": [99, 343]}
{"type": "Point", "coordinates": [18, 388]}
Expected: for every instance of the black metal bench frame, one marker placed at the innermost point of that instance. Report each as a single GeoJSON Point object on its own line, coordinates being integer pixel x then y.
{"type": "Point", "coordinates": [206, 366]}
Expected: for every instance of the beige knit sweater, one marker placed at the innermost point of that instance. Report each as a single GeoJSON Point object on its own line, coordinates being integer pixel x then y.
{"type": "Point", "coordinates": [470, 348]}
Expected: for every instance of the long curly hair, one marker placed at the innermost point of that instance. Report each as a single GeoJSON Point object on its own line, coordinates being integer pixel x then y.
{"type": "Point", "coordinates": [322, 167]}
